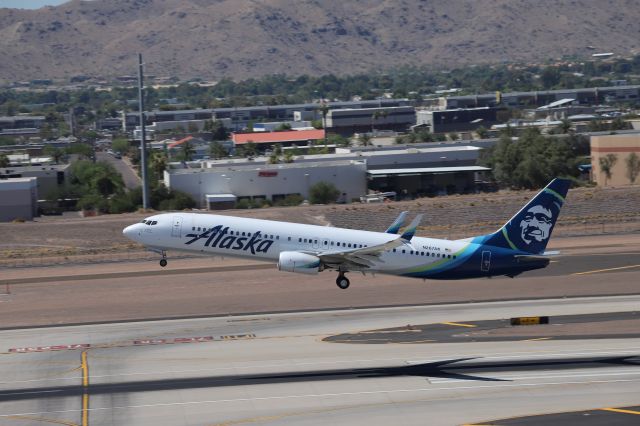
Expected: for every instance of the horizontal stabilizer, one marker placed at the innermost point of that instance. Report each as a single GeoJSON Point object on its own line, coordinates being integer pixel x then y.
{"type": "Point", "coordinates": [411, 229]}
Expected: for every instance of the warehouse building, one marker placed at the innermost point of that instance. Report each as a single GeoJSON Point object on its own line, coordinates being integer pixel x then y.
{"type": "Point", "coordinates": [18, 199]}
{"type": "Point", "coordinates": [221, 187]}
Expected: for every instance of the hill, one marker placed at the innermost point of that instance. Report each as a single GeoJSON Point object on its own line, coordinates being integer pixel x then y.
{"type": "Point", "coordinates": [248, 38]}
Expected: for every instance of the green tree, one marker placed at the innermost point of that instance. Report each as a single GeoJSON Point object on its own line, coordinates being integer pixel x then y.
{"type": "Point", "coordinates": [338, 140]}
{"type": "Point", "coordinates": [249, 149]}
{"type": "Point", "coordinates": [216, 150]}
{"type": "Point", "coordinates": [82, 150]}
{"type": "Point", "coordinates": [533, 160]}
{"type": "Point", "coordinates": [482, 132]}
{"type": "Point", "coordinates": [56, 154]}
{"type": "Point", "coordinates": [323, 193]}
{"type": "Point", "coordinates": [606, 165]}
{"type": "Point", "coordinates": [364, 139]}
{"type": "Point", "coordinates": [187, 151]}
{"type": "Point", "coordinates": [288, 156]}
{"type": "Point", "coordinates": [564, 127]}
{"type": "Point", "coordinates": [633, 167]}
{"type": "Point", "coordinates": [120, 145]}
{"type": "Point", "coordinates": [4, 160]}
{"type": "Point", "coordinates": [454, 136]}
{"type": "Point", "coordinates": [158, 162]}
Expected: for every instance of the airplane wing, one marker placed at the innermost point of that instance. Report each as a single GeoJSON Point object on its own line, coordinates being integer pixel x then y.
{"type": "Point", "coordinates": [358, 258]}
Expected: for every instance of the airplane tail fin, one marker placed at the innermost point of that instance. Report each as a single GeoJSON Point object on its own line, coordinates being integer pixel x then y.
{"type": "Point", "coordinates": [530, 229]}
{"type": "Point", "coordinates": [397, 224]}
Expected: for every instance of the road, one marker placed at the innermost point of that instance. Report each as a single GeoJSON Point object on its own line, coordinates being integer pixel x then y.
{"type": "Point", "coordinates": [129, 176]}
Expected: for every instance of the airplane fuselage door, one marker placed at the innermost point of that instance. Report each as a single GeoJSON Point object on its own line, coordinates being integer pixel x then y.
{"type": "Point", "coordinates": [176, 228]}
{"type": "Point", "coordinates": [485, 264]}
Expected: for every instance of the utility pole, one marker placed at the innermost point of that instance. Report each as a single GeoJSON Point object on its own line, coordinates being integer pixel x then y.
{"type": "Point", "coordinates": [143, 136]}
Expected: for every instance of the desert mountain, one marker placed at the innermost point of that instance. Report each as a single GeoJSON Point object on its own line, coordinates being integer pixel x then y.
{"type": "Point", "coordinates": [248, 38]}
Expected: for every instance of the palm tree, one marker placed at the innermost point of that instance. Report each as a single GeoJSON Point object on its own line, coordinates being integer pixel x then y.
{"type": "Point", "coordinates": [187, 150]}
{"type": "Point", "coordinates": [364, 139]}
{"type": "Point", "coordinates": [606, 164]}
{"type": "Point", "coordinates": [4, 160]}
{"type": "Point", "coordinates": [158, 162]}
{"type": "Point", "coordinates": [633, 167]}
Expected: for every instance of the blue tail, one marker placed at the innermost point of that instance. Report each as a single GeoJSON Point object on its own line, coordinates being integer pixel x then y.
{"type": "Point", "coordinates": [530, 229]}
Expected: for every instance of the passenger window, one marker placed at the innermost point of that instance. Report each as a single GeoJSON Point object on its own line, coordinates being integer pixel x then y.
{"type": "Point", "coordinates": [315, 241]}
{"type": "Point", "coordinates": [193, 228]}
{"type": "Point", "coordinates": [403, 251]}
{"type": "Point", "coordinates": [331, 242]}
{"type": "Point", "coordinates": [411, 252]}
{"type": "Point", "coordinates": [394, 250]}
{"type": "Point", "coordinates": [299, 240]}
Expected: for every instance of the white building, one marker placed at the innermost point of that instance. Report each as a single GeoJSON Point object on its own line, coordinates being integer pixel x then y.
{"type": "Point", "coordinates": [267, 181]}
{"type": "Point", "coordinates": [18, 199]}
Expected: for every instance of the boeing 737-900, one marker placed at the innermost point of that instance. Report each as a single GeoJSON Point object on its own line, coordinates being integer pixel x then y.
{"type": "Point", "coordinates": [518, 246]}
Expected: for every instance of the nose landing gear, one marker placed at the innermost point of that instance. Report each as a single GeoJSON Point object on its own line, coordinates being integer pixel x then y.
{"type": "Point", "coordinates": [342, 281]}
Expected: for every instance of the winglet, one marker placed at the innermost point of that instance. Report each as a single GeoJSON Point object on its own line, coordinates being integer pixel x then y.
{"type": "Point", "coordinates": [397, 224]}
{"type": "Point", "coordinates": [411, 229]}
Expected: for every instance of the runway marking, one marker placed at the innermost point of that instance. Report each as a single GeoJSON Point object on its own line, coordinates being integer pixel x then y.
{"type": "Point", "coordinates": [327, 395]}
{"type": "Point", "coordinates": [620, 410]}
{"type": "Point", "coordinates": [85, 385]}
{"type": "Point", "coordinates": [85, 369]}
{"type": "Point", "coordinates": [536, 339]}
{"type": "Point", "coordinates": [606, 270]}
{"type": "Point", "coordinates": [458, 324]}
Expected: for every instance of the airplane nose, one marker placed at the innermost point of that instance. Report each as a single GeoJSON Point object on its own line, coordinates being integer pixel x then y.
{"type": "Point", "coordinates": [130, 231]}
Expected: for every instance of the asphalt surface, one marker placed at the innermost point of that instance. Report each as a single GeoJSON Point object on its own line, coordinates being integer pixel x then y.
{"type": "Point", "coordinates": [618, 416]}
{"type": "Point", "coordinates": [277, 369]}
{"type": "Point", "coordinates": [143, 290]}
{"type": "Point", "coordinates": [561, 327]}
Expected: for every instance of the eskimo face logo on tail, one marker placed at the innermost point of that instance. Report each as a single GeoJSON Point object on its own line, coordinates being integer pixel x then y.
{"type": "Point", "coordinates": [536, 224]}
{"type": "Point", "coordinates": [218, 237]}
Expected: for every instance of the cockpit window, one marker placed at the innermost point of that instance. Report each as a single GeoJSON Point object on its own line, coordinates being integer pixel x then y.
{"type": "Point", "coordinates": [154, 222]}
{"type": "Point", "coordinates": [144, 221]}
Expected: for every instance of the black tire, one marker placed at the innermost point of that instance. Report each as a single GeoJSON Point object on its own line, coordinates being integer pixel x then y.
{"type": "Point", "coordinates": [163, 262]}
{"type": "Point", "coordinates": [342, 282]}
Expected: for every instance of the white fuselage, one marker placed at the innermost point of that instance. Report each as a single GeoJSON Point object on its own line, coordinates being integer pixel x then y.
{"type": "Point", "coordinates": [265, 240]}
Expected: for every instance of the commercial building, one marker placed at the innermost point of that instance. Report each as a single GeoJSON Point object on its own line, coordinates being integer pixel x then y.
{"type": "Point", "coordinates": [457, 120]}
{"type": "Point", "coordinates": [49, 177]}
{"type": "Point", "coordinates": [586, 96]}
{"type": "Point", "coordinates": [615, 159]}
{"type": "Point", "coordinates": [18, 199]}
{"type": "Point", "coordinates": [211, 186]}
{"type": "Point", "coordinates": [360, 120]}
{"type": "Point", "coordinates": [240, 117]}
{"type": "Point", "coordinates": [283, 138]}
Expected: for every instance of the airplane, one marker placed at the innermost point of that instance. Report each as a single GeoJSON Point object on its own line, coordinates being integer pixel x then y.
{"type": "Point", "coordinates": [518, 246]}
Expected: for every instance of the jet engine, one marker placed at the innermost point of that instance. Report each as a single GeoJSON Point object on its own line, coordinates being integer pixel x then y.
{"type": "Point", "coordinates": [302, 263]}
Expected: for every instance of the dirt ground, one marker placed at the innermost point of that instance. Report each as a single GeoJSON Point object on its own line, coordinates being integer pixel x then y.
{"type": "Point", "coordinates": [76, 240]}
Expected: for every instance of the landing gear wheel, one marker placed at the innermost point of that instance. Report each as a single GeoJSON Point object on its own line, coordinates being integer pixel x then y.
{"type": "Point", "coordinates": [163, 262]}
{"type": "Point", "coordinates": [342, 282]}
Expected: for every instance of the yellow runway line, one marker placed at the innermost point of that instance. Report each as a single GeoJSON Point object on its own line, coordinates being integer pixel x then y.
{"type": "Point", "coordinates": [537, 339]}
{"type": "Point", "coordinates": [619, 410]}
{"type": "Point", "coordinates": [458, 324]}
{"type": "Point", "coordinates": [85, 384]}
{"type": "Point", "coordinates": [606, 270]}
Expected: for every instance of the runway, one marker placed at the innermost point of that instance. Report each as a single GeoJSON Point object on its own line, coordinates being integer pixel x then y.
{"type": "Point", "coordinates": [282, 369]}
{"type": "Point", "coordinates": [214, 287]}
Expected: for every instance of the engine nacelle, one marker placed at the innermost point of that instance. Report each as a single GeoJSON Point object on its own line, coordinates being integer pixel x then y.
{"type": "Point", "coordinates": [302, 263]}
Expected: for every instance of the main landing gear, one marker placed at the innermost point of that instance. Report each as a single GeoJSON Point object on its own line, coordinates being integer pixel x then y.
{"type": "Point", "coordinates": [163, 261]}
{"type": "Point", "coordinates": [342, 281]}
